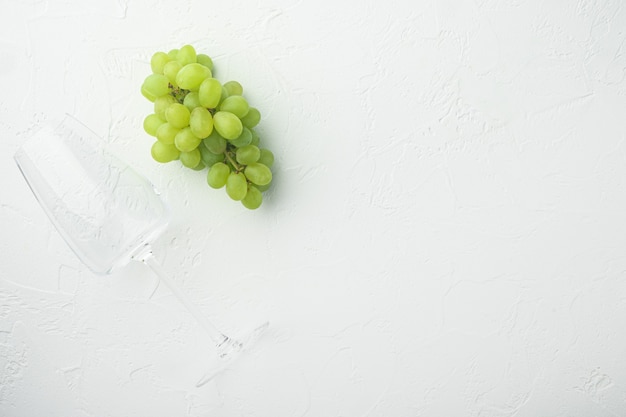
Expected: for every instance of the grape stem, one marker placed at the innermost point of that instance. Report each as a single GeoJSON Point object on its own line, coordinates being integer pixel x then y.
{"type": "Point", "coordinates": [178, 93]}
{"type": "Point", "coordinates": [232, 161]}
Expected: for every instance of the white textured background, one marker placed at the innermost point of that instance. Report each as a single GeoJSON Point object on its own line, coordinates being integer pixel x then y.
{"type": "Point", "coordinates": [446, 233]}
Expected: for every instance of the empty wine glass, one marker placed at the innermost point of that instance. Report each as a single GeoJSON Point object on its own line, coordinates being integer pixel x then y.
{"type": "Point", "coordinates": [107, 213]}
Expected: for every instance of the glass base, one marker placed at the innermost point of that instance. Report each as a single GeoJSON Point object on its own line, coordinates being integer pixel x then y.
{"type": "Point", "coordinates": [230, 349]}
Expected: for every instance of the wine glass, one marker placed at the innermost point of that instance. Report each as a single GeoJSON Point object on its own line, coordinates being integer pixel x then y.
{"type": "Point", "coordinates": [107, 213]}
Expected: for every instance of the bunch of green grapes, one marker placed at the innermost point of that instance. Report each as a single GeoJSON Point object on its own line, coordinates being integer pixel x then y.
{"type": "Point", "coordinates": [204, 123]}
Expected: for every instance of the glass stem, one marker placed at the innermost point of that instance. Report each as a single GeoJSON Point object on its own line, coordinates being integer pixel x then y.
{"type": "Point", "coordinates": [218, 337]}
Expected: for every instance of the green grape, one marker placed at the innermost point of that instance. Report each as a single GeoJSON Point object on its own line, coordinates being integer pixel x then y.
{"type": "Point", "coordinates": [236, 105]}
{"type": "Point", "coordinates": [166, 133]}
{"type": "Point", "coordinates": [258, 174]}
{"type": "Point", "coordinates": [236, 185]}
{"type": "Point", "coordinates": [191, 100]}
{"type": "Point", "coordinates": [156, 85]}
{"type": "Point", "coordinates": [252, 118]}
{"type": "Point", "coordinates": [210, 92]}
{"type": "Point", "coordinates": [215, 143]}
{"type": "Point", "coordinates": [244, 139]}
{"type": "Point", "coordinates": [266, 158]}
{"type": "Point", "coordinates": [158, 61]}
{"type": "Point", "coordinates": [255, 138]}
{"type": "Point", "coordinates": [191, 76]}
{"type": "Point", "coordinates": [208, 157]}
{"type": "Point", "coordinates": [187, 55]}
{"type": "Point", "coordinates": [186, 141]}
{"type": "Point", "coordinates": [170, 70]}
{"type": "Point", "coordinates": [263, 188]}
{"type": "Point", "coordinates": [223, 96]}
{"type": "Point", "coordinates": [163, 153]}
{"type": "Point", "coordinates": [253, 198]}
{"type": "Point", "coordinates": [173, 53]}
{"type": "Point", "coordinates": [200, 165]}
{"type": "Point", "coordinates": [227, 124]}
{"type": "Point", "coordinates": [151, 123]}
{"type": "Point", "coordinates": [233, 88]}
{"type": "Point", "coordinates": [190, 159]}
{"type": "Point", "coordinates": [218, 175]}
{"type": "Point", "coordinates": [201, 122]}
{"type": "Point", "coordinates": [161, 104]}
{"type": "Point", "coordinates": [177, 115]}
{"type": "Point", "coordinates": [205, 60]}
{"type": "Point", "coordinates": [147, 94]}
{"type": "Point", "coordinates": [248, 154]}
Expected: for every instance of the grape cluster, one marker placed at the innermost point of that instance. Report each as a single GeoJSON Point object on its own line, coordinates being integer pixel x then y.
{"type": "Point", "coordinates": [204, 123]}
